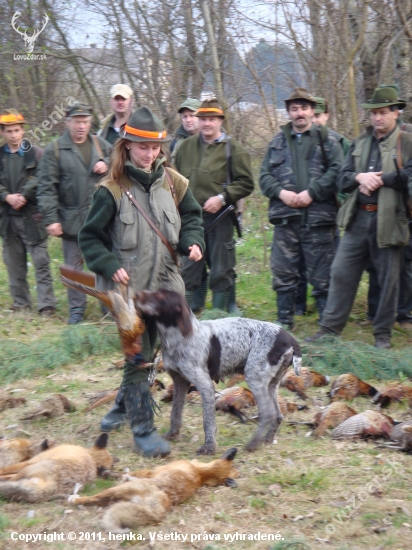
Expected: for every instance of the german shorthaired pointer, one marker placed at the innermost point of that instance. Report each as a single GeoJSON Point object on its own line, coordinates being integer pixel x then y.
{"type": "Point", "coordinates": [206, 351]}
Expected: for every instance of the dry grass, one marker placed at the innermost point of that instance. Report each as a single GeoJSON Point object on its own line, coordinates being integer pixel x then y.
{"type": "Point", "coordinates": [296, 478]}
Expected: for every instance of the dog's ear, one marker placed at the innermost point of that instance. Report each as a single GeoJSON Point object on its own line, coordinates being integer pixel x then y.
{"type": "Point", "coordinates": [101, 441]}
{"type": "Point", "coordinates": [184, 318]}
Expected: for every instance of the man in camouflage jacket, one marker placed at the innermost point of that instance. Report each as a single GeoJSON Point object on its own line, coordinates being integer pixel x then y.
{"type": "Point", "coordinates": [298, 175]}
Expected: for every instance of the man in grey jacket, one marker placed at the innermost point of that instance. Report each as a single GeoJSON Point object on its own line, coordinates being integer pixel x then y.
{"type": "Point", "coordinates": [70, 169]}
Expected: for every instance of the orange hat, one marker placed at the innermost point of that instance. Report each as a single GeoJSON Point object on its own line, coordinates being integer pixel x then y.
{"type": "Point", "coordinates": [11, 116]}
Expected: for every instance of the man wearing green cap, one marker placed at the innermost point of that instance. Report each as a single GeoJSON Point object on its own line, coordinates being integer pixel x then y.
{"type": "Point", "coordinates": [298, 174]}
{"type": "Point", "coordinates": [189, 125]}
{"type": "Point", "coordinates": [321, 117]}
{"type": "Point", "coordinates": [70, 169]}
{"type": "Point", "coordinates": [219, 172]}
{"type": "Point", "coordinates": [376, 173]}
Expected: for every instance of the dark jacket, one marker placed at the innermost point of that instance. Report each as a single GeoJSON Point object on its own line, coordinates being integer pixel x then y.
{"type": "Point", "coordinates": [66, 184]}
{"type": "Point", "coordinates": [107, 131]}
{"type": "Point", "coordinates": [35, 231]}
{"type": "Point", "coordinates": [280, 168]}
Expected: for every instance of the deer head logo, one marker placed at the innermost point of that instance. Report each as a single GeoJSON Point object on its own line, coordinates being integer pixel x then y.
{"type": "Point", "coordinates": [29, 41]}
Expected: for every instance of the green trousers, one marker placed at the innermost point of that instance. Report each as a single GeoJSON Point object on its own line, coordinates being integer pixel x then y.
{"type": "Point", "coordinates": [133, 374]}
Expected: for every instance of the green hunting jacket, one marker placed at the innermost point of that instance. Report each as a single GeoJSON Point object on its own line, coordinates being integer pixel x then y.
{"type": "Point", "coordinates": [297, 164]}
{"type": "Point", "coordinates": [116, 235]}
{"type": "Point", "coordinates": [26, 185]}
{"type": "Point", "coordinates": [392, 225]}
{"type": "Point", "coordinates": [204, 165]}
{"type": "Point", "coordinates": [66, 184]}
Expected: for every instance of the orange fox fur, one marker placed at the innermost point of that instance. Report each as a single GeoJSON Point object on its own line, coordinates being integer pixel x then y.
{"type": "Point", "coordinates": [20, 449]}
{"type": "Point", "coordinates": [54, 472]}
{"type": "Point", "coordinates": [150, 494]}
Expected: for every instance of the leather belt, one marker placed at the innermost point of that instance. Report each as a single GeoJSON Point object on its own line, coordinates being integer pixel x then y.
{"type": "Point", "coordinates": [369, 207]}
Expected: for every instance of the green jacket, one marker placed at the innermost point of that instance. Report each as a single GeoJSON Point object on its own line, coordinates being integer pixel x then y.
{"type": "Point", "coordinates": [205, 167]}
{"type": "Point", "coordinates": [66, 184]}
{"type": "Point", "coordinates": [116, 235]}
{"type": "Point", "coordinates": [392, 227]}
{"type": "Point", "coordinates": [35, 231]}
{"type": "Point", "coordinates": [296, 164]}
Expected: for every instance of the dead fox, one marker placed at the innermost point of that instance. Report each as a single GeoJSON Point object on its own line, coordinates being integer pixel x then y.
{"type": "Point", "coordinates": [149, 494]}
{"type": "Point", "coordinates": [54, 472]}
{"type": "Point", "coordinates": [20, 449]}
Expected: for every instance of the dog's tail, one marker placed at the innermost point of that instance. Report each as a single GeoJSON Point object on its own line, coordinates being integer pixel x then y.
{"type": "Point", "coordinates": [297, 358]}
{"type": "Point", "coordinates": [123, 516]}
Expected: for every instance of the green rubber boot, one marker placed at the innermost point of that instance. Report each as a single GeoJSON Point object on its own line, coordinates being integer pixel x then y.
{"type": "Point", "coordinates": [231, 304]}
{"type": "Point", "coordinates": [199, 297]}
{"type": "Point", "coordinates": [220, 300]}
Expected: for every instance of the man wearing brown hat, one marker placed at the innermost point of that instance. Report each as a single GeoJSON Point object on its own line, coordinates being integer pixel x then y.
{"type": "Point", "coordinates": [298, 174]}
{"type": "Point", "coordinates": [375, 219]}
{"type": "Point", "coordinates": [121, 101]}
{"type": "Point", "coordinates": [71, 167]}
{"type": "Point", "coordinates": [219, 172]}
{"type": "Point", "coordinates": [21, 225]}
{"type": "Point", "coordinates": [189, 125]}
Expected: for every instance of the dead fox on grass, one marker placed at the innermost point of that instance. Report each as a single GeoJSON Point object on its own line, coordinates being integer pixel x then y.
{"type": "Point", "coordinates": [19, 449]}
{"type": "Point", "coordinates": [149, 494]}
{"type": "Point", "coordinates": [54, 472]}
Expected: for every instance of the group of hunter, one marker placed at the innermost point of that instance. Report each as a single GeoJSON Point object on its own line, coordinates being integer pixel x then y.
{"type": "Point", "coordinates": [90, 191]}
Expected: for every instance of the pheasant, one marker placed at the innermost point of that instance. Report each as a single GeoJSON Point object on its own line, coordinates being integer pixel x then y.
{"type": "Point", "coordinates": [234, 400]}
{"type": "Point", "coordinates": [53, 406]}
{"type": "Point", "coordinates": [349, 386]}
{"type": "Point", "coordinates": [332, 416]}
{"type": "Point", "coordinates": [288, 407]}
{"type": "Point", "coordinates": [366, 424]}
{"type": "Point", "coordinates": [307, 379]}
{"type": "Point", "coordinates": [7, 401]}
{"type": "Point", "coordinates": [119, 303]}
{"type": "Point", "coordinates": [393, 392]}
{"type": "Point", "coordinates": [167, 395]}
{"type": "Point", "coordinates": [294, 384]}
{"type": "Point", "coordinates": [313, 378]}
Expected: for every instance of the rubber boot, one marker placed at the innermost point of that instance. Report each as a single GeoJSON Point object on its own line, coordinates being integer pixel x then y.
{"type": "Point", "coordinates": [139, 410]}
{"type": "Point", "coordinates": [116, 417]}
{"type": "Point", "coordinates": [220, 300]}
{"type": "Point", "coordinates": [189, 297]}
{"type": "Point", "coordinates": [199, 297]}
{"type": "Point", "coordinates": [321, 304]}
{"type": "Point", "coordinates": [286, 308]}
{"type": "Point", "coordinates": [231, 304]}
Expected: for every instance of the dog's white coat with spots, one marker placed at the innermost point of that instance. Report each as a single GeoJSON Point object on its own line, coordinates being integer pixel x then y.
{"type": "Point", "coordinates": [200, 352]}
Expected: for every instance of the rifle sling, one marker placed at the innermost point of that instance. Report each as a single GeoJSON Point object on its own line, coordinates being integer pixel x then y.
{"type": "Point", "coordinates": [150, 222]}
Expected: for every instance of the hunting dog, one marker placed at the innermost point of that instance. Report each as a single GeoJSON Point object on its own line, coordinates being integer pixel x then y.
{"type": "Point", "coordinates": [54, 472]}
{"type": "Point", "coordinates": [202, 352]}
{"type": "Point", "coordinates": [149, 494]}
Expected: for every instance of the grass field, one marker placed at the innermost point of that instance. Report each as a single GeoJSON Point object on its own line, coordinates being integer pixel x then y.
{"type": "Point", "coordinates": [337, 495]}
